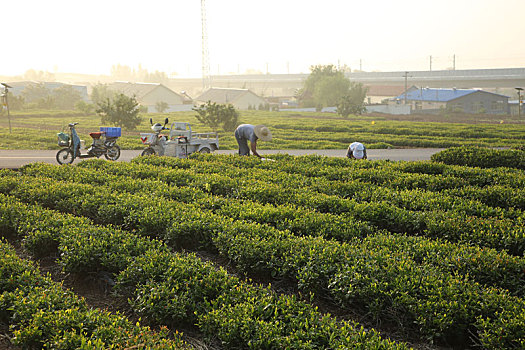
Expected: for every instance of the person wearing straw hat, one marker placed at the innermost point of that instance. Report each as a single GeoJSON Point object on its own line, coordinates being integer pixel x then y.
{"type": "Point", "coordinates": [356, 150]}
{"type": "Point", "coordinates": [251, 133]}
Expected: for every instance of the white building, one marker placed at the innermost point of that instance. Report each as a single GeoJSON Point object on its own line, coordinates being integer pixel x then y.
{"type": "Point", "coordinates": [149, 94]}
{"type": "Point", "coordinates": [239, 98]}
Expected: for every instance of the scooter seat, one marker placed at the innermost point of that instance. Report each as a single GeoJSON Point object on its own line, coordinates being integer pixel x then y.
{"type": "Point", "coordinates": [97, 134]}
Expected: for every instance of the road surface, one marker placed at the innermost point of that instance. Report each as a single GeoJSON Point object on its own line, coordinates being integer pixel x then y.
{"type": "Point", "coordinates": [16, 158]}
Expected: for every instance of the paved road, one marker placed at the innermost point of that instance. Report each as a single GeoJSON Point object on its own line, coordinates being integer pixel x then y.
{"type": "Point", "coordinates": [17, 158]}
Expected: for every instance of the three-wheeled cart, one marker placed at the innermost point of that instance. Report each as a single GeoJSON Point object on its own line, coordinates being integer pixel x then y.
{"type": "Point", "coordinates": [181, 142]}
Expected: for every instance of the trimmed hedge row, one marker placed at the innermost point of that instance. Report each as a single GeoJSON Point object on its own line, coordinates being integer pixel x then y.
{"type": "Point", "coordinates": [483, 202]}
{"type": "Point", "coordinates": [171, 289]}
{"type": "Point", "coordinates": [411, 199]}
{"type": "Point", "coordinates": [455, 226]}
{"type": "Point", "coordinates": [481, 157]}
{"type": "Point", "coordinates": [41, 314]}
{"type": "Point", "coordinates": [399, 175]}
{"type": "Point", "coordinates": [485, 266]}
{"type": "Point", "coordinates": [320, 265]}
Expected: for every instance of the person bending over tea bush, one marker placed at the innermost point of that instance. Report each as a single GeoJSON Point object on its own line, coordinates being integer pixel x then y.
{"type": "Point", "coordinates": [356, 150]}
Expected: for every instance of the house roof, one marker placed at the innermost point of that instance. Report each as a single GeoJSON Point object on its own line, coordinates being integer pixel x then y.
{"type": "Point", "coordinates": [223, 95]}
{"type": "Point", "coordinates": [139, 90]}
{"type": "Point", "coordinates": [438, 95]}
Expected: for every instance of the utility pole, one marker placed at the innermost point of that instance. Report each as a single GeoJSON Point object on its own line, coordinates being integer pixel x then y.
{"type": "Point", "coordinates": [519, 102]}
{"type": "Point", "coordinates": [6, 103]}
{"type": "Point", "coordinates": [431, 63]}
{"type": "Point", "coordinates": [406, 86]}
{"type": "Point", "coordinates": [454, 62]}
{"type": "Point", "coordinates": [206, 78]}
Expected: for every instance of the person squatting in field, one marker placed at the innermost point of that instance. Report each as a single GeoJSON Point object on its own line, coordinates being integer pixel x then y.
{"type": "Point", "coordinates": [249, 133]}
{"type": "Point", "coordinates": [356, 150]}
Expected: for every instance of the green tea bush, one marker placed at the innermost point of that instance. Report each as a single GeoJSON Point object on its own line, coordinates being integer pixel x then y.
{"type": "Point", "coordinates": [164, 288]}
{"type": "Point", "coordinates": [481, 157]}
{"type": "Point", "coordinates": [390, 277]}
{"type": "Point", "coordinates": [41, 314]}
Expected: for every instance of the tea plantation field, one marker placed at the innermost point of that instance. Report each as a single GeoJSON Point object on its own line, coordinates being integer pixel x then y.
{"type": "Point", "coordinates": [252, 255]}
{"type": "Point", "coordinates": [290, 130]}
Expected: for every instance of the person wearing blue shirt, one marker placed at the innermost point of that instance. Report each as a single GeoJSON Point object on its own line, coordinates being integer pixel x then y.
{"type": "Point", "coordinates": [251, 133]}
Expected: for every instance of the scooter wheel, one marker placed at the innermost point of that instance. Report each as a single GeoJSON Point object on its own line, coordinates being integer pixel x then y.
{"type": "Point", "coordinates": [148, 152]}
{"type": "Point", "coordinates": [65, 156]}
{"type": "Point", "coordinates": [113, 153]}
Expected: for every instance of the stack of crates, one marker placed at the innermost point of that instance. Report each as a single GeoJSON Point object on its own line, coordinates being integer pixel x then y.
{"type": "Point", "coordinates": [111, 131]}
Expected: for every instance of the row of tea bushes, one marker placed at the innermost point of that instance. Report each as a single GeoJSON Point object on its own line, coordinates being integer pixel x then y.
{"type": "Point", "coordinates": [494, 187]}
{"type": "Point", "coordinates": [453, 225]}
{"type": "Point", "coordinates": [502, 187]}
{"type": "Point", "coordinates": [485, 266]}
{"type": "Point", "coordinates": [348, 184]}
{"type": "Point", "coordinates": [41, 314]}
{"type": "Point", "coordinates": [386, 173]}
{"type": "Point", "coordinates": [481, 157]}
{"type": "Point", "coordinates": [172, 289]}
{"type": "Point", "coordinates": [309, 139]}
{"type": "Point", "coordinates": [286, 216]}
{"type": "Point", "coordinates": [319, 265]}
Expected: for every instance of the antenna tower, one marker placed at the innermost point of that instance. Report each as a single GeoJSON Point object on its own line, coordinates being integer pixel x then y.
{"type": "Point", "coordinates": [206, 78]}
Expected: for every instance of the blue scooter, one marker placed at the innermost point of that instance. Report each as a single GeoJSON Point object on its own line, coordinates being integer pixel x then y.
{"type": "Point", "coordinates": [102, 146]}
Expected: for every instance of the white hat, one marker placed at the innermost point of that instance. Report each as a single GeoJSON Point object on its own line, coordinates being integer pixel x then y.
{"type": "Point", "coordinates": [358, 151]}
{"type": "Point", "coordinates": [262, 133]}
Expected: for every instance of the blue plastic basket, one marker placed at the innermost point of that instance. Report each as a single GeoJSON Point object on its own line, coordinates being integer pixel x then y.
{"type": "Point", "coordinates": [110, 131]}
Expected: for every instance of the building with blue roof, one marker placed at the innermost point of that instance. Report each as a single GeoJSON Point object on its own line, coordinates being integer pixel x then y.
{"type": "Point", "coordinates": [430, 100]}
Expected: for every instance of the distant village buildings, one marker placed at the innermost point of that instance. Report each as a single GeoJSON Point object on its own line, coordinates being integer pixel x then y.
{"type": "Point", "coordinates": [386, 91]}
{"type": "Point", "coordinates": [239, 98]}
{"type": "Point", "coordinates": [429, 100]}
{"type": "Point", "coordinates": [148, 95]}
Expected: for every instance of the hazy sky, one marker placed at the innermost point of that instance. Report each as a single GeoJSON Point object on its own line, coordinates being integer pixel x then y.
{"type": "Point", "coordinates": [278, 36]}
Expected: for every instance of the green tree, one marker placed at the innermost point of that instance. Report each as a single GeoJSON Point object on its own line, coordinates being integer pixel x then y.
{"type": "Point", "coordinates": [122, 72]}
{"type": "Point", "coordinates": [15, 102]}
{"type": "Point", "coordinates": [156, 77]}
{"type": "Point", "coordinates": [85, 107]}
{"type": "Point", "coordinates": [35, 92]}
{"type": "Point", "coordinates": [322, 82]}
{"type": "Point", "coordinates": [120, 111]}
{"type": "Point", "coordinates": [328, 86]}
{"type": "Point", "coordinates": [352, 102]}
{"type": "Point", "coordinates": [66, 97]}
{"type": "Point", "coordinates": [330, 90]}
{"type": "Point", "coordinates": [47, 102]}
{"type": "Point", "coordinates": [216, 115]}
{"type": "Point", "coordinates": [35, 75]}
{"type": "Point", "coordinates": [161, 106]}
{"type": "Point", "coordinates": [100, 93]}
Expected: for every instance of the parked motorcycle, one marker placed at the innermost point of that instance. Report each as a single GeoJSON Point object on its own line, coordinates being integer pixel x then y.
{"type": "Point", "coordinates": [104, 144]}
{"type": "Point", "coordinates": [155, 141]}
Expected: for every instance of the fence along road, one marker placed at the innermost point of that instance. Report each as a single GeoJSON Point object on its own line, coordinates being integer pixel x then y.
{"type": "Point", "coordinates": [13, 159]}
